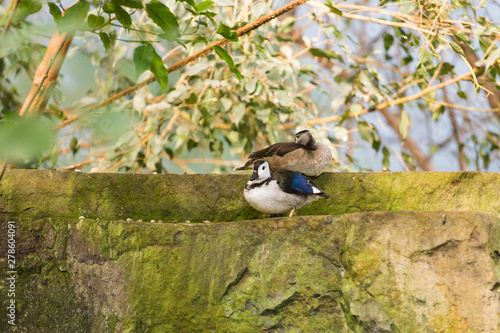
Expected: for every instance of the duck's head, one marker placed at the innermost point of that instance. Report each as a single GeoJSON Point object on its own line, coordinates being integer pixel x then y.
{"type": "Point", "coordinates": [305, 138]}
{"type": "Point", "coordinates": [261, 171]}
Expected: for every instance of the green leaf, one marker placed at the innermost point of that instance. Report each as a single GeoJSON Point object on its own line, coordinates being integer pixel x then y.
{"type": "Point", "coordinates": [191, 99]}
{"type": "Point", "coordinates": [424, 57]}
{"type": "Point", "coordinates": [404, 124]}
{"type": "Point", "coordinates": [143, 58]}
{"type": "Point", "coordinates": [492, 58]}
{"type": "Point", "coordinates": [163, 17]}
{"type": "Point", "coordinates": [73, 17]}
{"type": "Point", "coordinates": [410, 161]}
{"type": "Point", "coordinates": [287, 24]}
{"type": "Point", "coordinates": [28, 7]}
{"type": "Point", "coordinates": [11, 116]}
{"type": "Point", "coordinates": [24, 138]}
{"type": "Point", "coordinates": [356, 108]}
{"type": "Point", "coordinates": [447, 68]}
{"type": "Point", "coordinates": [192, 3]}
{"type": "Point", "coordinates": [406, 60]}
{"type": "Point", "coordinates": [457, 49]}
{"type": "Point", "coordinates": [100, 21]}
{"type": "Point", "coordinates": [284, 98]}
{"type": "Point", "coordinates": [263, 114]}
{"type": "Point", "coordinates": [329, 54]}
{"type": "Point", "coordinates": [463, 38]}
{"type": "Point", "coordinates": [106, 41]}
{"type": "Point", "coordinates": [462, 95]}
{"type": "Point", "coordinates": [204, 5]}
{"type": "Point", "coordinates": [422, 72]}
{"type": "Point", "coordinates": [227, 58]}
{"type": "Point", "coordinates": [123, 16]}
{"type": "Point", "coordinates": [94, 21]}
{"type": "Point", "coordinates": [239, 112]}
{"type": "Point", "coordinates": [388, 41]}
{"type": "Point", "coordinates": [365, 131]}
{"type": "Point", "coordinates": [74, 145]}
{"type": "Point", "coordinates": [226, 104]}
{"type": "Point", "coordinates": [108, 8]}
{"type": "Point", "coordinates": [438, 112]}
{"type": "Point", "coordinates": [55, 12]}
{"type": "Point", "coordinates": [333, 9]}
{"type": "Point", "coordinates": [159, 69]}
{"type": "Point", "coordinates": [226, 32]}
{"type": "Point", "coordinates": [216, 147]}
{"type": "Point", "coordinates": [129, 3]}
{"type": "Point", "coordinates": [385, 160]}
{"type": "Point", "coordinates": [54, 155]}
{"type": "Point", "coordinates": [370, 134]}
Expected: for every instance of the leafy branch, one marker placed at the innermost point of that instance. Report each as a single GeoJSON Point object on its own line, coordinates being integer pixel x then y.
{"type": "Point", "coordinates": [240, 32]}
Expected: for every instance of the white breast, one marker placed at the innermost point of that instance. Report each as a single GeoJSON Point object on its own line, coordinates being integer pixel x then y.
{"type": "Point", "coordinates": [270, 199]}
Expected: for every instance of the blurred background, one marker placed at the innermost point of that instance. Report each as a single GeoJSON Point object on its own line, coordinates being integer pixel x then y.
{"type": "Point", "coordinates": [390, 86]}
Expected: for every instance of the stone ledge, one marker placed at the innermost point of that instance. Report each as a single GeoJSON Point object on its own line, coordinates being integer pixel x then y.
{"type": "Point", "coordinates": [219, 198]}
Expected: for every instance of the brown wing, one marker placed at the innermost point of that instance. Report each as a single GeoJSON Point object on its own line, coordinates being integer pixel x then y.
{"type": "Point", "coordinates": [272, 154]}
{"type": "Point", "coordinates": [279, 149]}
{"type": "Point", "coordinates": [296, 160]}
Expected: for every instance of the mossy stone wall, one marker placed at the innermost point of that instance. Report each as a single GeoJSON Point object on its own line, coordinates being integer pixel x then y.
{"type": "Point", "coordinates": [388, 252]}
{"type": "Point", "coordinates": [219, 198]}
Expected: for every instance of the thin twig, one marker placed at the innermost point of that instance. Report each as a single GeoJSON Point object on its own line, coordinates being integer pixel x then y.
{"type": "Point", "coordinates": [456, 106]}
{"type": "Point", "coordinates": [402, 100]}
{"type": "Point", "coordinates": [79, 165]}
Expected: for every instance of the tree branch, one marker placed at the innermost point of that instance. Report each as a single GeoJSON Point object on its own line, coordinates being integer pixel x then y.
{"type": "Point", "coordinates": [472, 58]}
{"type": "Point", "coordinates": [241, 31]}
{"type": "Point", "coordinates": [398, 101]}
{"type": "Point", "coordinates": [47, 73]}
{"type": "Point", "coordinates": [12, 12]}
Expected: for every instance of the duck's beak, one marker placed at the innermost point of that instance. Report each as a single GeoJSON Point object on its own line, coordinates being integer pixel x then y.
{"type": "Point", "coordinates": [255, 175]}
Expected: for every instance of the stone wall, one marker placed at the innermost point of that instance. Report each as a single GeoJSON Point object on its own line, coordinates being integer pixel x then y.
{"type": "Point", "coordinates": [388, 252]}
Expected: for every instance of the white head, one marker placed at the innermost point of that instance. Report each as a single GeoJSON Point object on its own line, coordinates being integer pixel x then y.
{"type": "Point", "coordinates": [261, 171]}
{"type": "Point", "coordinates": [305, 138]}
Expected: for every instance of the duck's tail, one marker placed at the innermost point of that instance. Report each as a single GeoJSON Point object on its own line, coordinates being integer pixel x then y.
{"type": "Point", "coordinates": [246, 166]}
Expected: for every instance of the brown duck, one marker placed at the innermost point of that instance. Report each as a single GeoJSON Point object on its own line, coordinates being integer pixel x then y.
{"type": "Point", "coordinates": [305, 155]}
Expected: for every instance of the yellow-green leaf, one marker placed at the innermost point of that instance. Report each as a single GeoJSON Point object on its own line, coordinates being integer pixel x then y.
{"type": "Point", "coordinates": [227, 58]}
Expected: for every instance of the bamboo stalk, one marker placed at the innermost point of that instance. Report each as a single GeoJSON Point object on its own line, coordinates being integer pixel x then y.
{"type": "Point", "coordinates": [12, 12]}
{"type": "Point", "coordinates": [47, 73]}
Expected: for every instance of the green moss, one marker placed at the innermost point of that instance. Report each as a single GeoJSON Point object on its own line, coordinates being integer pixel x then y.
{"type": "Point", "coordinates": [218, 198]}
{"type": "Point", "coordinates": [347, 273]}
{"type": "Point", "coordinates": [112, 320]}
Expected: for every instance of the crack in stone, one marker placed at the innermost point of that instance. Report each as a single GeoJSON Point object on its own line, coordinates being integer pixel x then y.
{"type": "Point", "coordinates": [287, 301]}
{"type": "Point", "coordinates": [434, 249]}
{"type": "Point", "coordinates": [241, 274]}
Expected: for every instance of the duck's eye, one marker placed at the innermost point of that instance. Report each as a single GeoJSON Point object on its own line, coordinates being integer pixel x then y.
{"type": "Point", "coordinates": [263, 168]}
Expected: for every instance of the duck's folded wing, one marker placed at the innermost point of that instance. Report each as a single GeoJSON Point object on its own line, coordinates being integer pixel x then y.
{"type": "Point", "coordinates": [278, 149]}
{"type": "Point", "coordinates": [295, 183]}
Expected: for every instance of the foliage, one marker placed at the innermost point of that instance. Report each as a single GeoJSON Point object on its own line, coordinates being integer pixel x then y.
{"type": "Point", "coordinates": [400, 85]}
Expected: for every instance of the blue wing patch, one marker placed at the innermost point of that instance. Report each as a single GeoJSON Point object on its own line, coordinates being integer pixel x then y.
{"type": "Point", "coordinates": [296, 183]}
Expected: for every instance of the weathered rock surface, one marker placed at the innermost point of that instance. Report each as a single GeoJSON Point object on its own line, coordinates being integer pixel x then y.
{"type": "Point", "coordinates": [218, 198]}
{"type": "Point", "coordinates": [429, 263]}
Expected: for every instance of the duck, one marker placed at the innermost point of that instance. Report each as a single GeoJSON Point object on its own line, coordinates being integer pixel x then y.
{"type": "Point", "coordinates": [281, 192]}
{"type": "Point", "coordinates": [305, 155]}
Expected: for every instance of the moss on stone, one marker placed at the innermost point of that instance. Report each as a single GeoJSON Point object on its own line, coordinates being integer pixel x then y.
{"type": "Point", "coordinates": [218, 198]}
{"type": "Point", "coordinates": [387, 270]}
